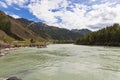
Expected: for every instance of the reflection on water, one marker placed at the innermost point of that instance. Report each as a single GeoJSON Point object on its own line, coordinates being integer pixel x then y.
{"type": "Point", "coordinates": [62, 62]}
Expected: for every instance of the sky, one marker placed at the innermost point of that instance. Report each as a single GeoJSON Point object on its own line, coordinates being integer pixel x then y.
{"type": "Point", "coordinates": [70, 14]}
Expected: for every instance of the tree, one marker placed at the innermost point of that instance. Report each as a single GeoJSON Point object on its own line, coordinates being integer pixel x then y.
{"type": "Point", "coordinates": [32, 41]}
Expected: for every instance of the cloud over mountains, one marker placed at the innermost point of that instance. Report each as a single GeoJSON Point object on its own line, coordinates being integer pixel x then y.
{"type": "Point", "coordinates": [71, 14]}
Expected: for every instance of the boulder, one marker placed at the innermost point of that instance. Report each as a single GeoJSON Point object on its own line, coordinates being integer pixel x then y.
{"type": "Point", "coordinates": [13, 78]}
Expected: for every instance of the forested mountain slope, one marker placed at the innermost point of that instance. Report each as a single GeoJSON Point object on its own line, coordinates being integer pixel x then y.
{"type": "Point", "coordinates": [107, 36]}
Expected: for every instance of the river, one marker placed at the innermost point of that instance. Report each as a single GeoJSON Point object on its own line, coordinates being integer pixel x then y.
{"type": "Point", "coordinates": [62, 62]}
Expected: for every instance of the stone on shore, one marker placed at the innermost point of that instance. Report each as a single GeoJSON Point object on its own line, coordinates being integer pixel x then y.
{"type": "Point", "coordinates": [13, 78]}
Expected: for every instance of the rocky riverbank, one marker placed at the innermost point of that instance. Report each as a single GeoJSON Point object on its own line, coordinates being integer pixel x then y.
{"type": "Point", "coordinates": [5, 51]}
{"type": "Point", "coordinates": [5, 47]}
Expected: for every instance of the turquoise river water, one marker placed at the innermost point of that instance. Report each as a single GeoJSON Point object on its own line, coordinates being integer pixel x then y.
{"type": "Point", "coordinates": [62, 62]}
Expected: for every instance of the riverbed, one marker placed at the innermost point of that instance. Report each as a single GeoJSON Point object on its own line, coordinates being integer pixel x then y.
{"type": "Point", "coordinates": [62, 62]}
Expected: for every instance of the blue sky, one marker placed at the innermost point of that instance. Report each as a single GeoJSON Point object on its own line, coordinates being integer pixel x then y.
{"type": "Point", "coordinates": [70, 14]}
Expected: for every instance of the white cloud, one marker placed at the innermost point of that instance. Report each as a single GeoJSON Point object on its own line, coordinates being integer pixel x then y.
{"type": "Point", "coordinates": [17, 8]}
{"type": "Point", "coordinates": [42, 9]}
{"type": "Point", "coordinates": [18, 2]}
{"type": "Point", "coordinates": [77, 16]}
{"type": "Point", "coordinates": [15, 16]}
{"type": "Point", "coordinates": [104, 14]}
{"type": "Point", "coordinates": [2, 4]}
{"type": "Point", "coordinates": [100, 14]}
{"type": "Point", "coordinates": [93, 0]}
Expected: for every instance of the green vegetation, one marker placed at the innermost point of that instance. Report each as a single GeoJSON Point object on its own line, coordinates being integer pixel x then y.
{"type": "Point", "coordinates": [5, 26]}
{"type": "Point", "coordinates": [4, 37]}
{"type": "Point", "coordinates": [109, 36]}
{"type": "Point", "coordinates": [32, 41]}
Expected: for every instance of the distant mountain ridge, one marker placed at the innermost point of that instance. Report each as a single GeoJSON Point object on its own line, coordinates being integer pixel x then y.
{"type": "Point", "coordinates": [81, 31]}
{"type": "Point", "coordinates": [52, 32]}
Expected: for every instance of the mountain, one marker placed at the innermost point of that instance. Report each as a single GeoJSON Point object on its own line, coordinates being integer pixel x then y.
{"type": "Point", "coordinates": [11, 29]}
{"type": "Point", "coordinates": [4, 37]}
{"type": "Point", "coordinates": [52, 32]}
{"type": "Point", "coordinates": [81, 31]}
{"type": "Point", "coordinates": [109, 36]}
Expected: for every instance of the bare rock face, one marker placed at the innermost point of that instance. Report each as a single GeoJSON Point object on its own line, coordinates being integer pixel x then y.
{"type": "Point", "coordinates": [13, 78]}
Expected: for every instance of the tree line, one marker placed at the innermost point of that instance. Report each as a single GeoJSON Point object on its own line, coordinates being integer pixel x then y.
{"type": "Point", "coordinates": [109, 36]}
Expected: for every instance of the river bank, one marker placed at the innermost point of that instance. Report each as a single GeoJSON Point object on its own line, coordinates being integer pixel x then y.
{"type": "Point", "coordinates": [5, 51]}
{"type": "Point", "coordinates": [5, 47]}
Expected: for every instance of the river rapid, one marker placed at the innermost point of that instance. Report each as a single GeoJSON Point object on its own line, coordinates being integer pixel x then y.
{"type": "Point", "coordinates": [62, 62]}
